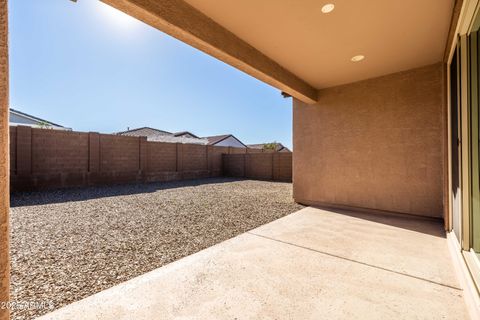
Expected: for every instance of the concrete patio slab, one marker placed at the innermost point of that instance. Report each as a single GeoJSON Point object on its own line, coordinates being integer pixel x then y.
{"type": "Point", "coordinates": [410, 245]}
{"type": "Point", "coordinates": [312, 264]}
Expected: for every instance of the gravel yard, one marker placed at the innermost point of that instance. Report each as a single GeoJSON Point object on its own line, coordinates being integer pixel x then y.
{"type": "Point", "coordinates": [69, 244]}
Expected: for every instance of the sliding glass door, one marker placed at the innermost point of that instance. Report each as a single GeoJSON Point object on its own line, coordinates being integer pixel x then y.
{"type": "Point", "coordinates": [473, 69]}
{"type": "Point", "coordinates": [455, 140]}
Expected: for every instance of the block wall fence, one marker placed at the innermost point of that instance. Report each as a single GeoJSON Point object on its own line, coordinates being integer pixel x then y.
{"type": "Point", "coordinates": [275, 166]}
{"type": "Point", "coordinates": [47, 159]}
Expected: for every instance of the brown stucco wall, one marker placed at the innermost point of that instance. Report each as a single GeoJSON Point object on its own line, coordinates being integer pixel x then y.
{"type": "Point", "coordinates": [376, 144]}
{"type": "Point", "coordinates": [4, 170]}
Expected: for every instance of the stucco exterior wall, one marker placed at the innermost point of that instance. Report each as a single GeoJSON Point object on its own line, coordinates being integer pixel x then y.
{"type": "Point", "coordinates": [18, 120]}
{"type": "Point", "coordinates": [376, 144]}
{"type": "Point", "coordinates": [4, 170]}
{"type": "Point", "coordinates": [15, 119]}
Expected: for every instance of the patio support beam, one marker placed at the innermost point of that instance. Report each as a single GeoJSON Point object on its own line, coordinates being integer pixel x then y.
{"type": "Point", "coordinates": [4, 167]}
{"type": "Point", "coordinates": [182, 21]}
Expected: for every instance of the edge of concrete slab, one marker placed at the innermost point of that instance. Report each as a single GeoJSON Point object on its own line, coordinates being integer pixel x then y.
{"type": "Point", "coordinates": [160, 272]}
{"type": "Point", "coordinates": [148, 276]}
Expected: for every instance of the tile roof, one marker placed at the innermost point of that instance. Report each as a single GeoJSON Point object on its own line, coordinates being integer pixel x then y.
{"type": "Point", "coordinates": [217, 139]}
{"type": "Point", "coordinates": [278, 146]}
{"type": "Point", "coordinates": [161, 136]}
{"type": "Point", "coordinates": [183, 133]}
{"type": "Point", "coordinates": [143, 132]}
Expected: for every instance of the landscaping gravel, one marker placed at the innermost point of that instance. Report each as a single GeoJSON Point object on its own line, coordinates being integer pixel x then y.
{"type": "Point", "coordinates": [69, 244]}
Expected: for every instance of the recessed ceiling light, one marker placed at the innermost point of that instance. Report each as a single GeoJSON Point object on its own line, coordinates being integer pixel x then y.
{"type": "Point", "coordinates": [358, 58]}
{"type": "Point", "coordinates": [328, 8]}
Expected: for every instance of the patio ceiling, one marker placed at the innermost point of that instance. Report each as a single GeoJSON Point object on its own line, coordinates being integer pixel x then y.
{"type": "Point", "coordinates": [317, 47]}
{"type": "Point", "coordinates": [296, 48]}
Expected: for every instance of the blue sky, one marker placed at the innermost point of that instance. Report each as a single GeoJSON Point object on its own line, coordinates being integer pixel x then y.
{"type": "Point", "coordinates": [87, 66]}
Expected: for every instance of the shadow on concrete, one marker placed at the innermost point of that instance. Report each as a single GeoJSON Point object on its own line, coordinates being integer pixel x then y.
{"type": "Point", "coordinates": [19, 199]}
{"type": "Point", "coordinates": [428, 225]}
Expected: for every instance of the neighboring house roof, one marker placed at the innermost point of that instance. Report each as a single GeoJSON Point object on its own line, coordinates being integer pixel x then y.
{"type": "Point", "coordinates": [187, 134]}
{"type": "Point", "coordinates": [19, 118]}
{"type": "Point", "coordinates": [216, 139]}
{"type": "Point", "coordinates": [153, 134]}
{"type": "Point", "coordinates": [161, 136]}
{"type": "Point", "coordinates": [278, 147]}
{"type": "Point", "coordinates": [144, 132]}
{"type": "Point", "coordinates": [213, 140]}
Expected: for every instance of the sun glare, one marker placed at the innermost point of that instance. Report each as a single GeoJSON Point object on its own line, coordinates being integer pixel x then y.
{"type": "Point", "coordinates": [117, 17]}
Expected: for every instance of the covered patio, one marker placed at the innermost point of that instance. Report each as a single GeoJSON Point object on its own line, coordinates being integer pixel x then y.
{"type": "Point", "coordinates": [311, 264]}
{"type": "Point", "coordinates": [385, 127]}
